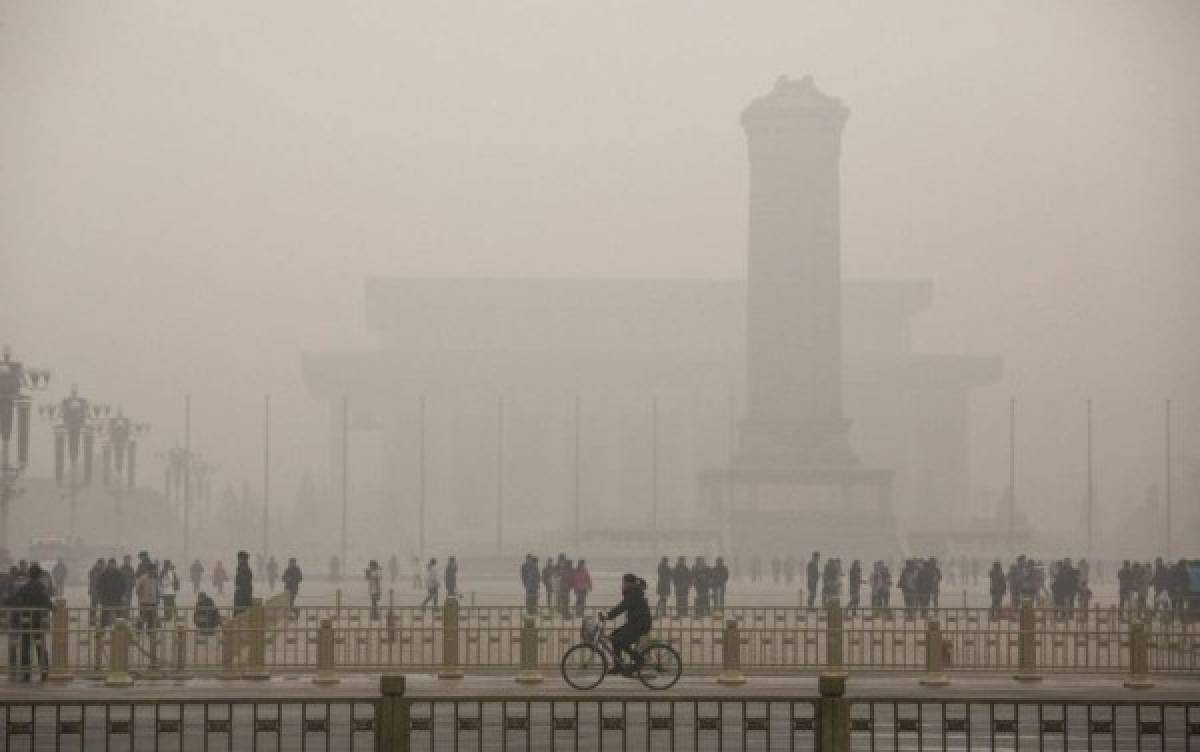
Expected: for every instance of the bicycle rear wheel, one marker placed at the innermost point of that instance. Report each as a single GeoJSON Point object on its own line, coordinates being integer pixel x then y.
{"type": "Point", "coordinates": [583, 666]}
{"type": "Point", "coordinates": [661, 666]}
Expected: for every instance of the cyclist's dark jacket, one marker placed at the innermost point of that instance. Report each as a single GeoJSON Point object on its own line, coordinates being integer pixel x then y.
{"type": "Point", "coordinates": [637, 611]}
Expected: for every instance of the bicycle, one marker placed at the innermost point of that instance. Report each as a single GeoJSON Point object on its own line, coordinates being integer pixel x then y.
{"type": "Point", "coordinates": [586, 663]}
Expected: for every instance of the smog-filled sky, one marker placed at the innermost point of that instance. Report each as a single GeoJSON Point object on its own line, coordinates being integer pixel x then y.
{"type": "Point", "coordinates": [193, 194]}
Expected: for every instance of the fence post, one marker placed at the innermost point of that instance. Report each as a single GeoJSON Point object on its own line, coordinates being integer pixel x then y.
{"type": "Point", "coordinates": [528, 674]}
{"type": "Point", "coordinates": [118, 665]}
{"type": "Point", "coordinates": [256, 664]}
{"type": "Point", "coordinates": [326, 655]}
{"type": "Point", "coordinates": [392, 724]}
{"type": "Point", "coordinates": [450, 669]}
{"type": "Point", "coordinates": [1139, 657]}
{"type": "Point", "coordinates": [731, 655]}
{"type": "Point", "coordinates": [98, 640]}
{"type": "Point", "coordinates": [180, 669]}
{"type": "Point", "coordinates": [229, 650]}
{"type": "Point", "coordinates": [833, 714]}
{"type": "Point", "coordinates": [834, 661]}
{"type": "Point", "coordinates": [153, 665]}
{"type": "Point", "coordinates": [935, 669]}
{"type": "Point", "coordinates": [58, 642]}
{"type": "Point", "coordinates": [1027, 645]}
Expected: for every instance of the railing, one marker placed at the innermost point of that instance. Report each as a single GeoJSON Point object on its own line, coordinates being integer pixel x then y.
{"type": "Point", "coordinates": [396, 720]}
{"type": "Point", "coordinates": [271, 638]}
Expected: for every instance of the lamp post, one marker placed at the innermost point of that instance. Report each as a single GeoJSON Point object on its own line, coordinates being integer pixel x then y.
{"type": "Point", "coordinates": [75, 420]}
{"type": "Point", "coordinates": [118, 457]}
{"type": "Point", "coordinates": [15, 380]}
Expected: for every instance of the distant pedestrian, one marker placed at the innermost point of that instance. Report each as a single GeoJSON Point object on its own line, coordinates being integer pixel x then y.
{"type": "Point", "coordinates": [663, 587]}
{"type": "Point", "coordinates": [130, 577]}
{"type": "Point", "coordinates": [168, 589]}
{"type": "Point", "coordinates": [33, 605]}
{"type": "Point", "coordinates": [59, 574]}
{"type": "Point", "coordinates": [147, 597]}
{"type": "Point", "coordinates": [549, 579]}
{"type": "Point", "coordinates": [720, 577]}
{"type": "Point", "coordinates": [531, 582]}
{"type": "Point", "coordinates": [111, 586]}
{"type": "Point", "coordinates": [813, 573]}
{"type": "Point", "coordinates": [374, 578]}
{"type": "Point", "coordinates": [582, 584]}
{"type": "Point", "coordinates": [243, 584]}
{"type": "Point", "coordinates": [432, 584]}
{"type": "Point", "coordinates": [272, 573]}
{"type": "Point", "coordinates": [681, 583]}
{"type": "Point", "coordinates": [292, 576]}
{"type": "Point", "coordinates": [197, 575]}
{"type": "Point", "coordinates": [219, 577]}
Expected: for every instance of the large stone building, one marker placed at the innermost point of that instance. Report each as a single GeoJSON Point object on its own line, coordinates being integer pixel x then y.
{"type": "Point", "coordinates": [503, 406]}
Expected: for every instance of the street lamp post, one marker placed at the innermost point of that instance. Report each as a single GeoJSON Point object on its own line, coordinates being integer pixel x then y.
{"type": "Point", "coordinates": [15, 379]}
{"type": "Point", "coordinates": [119, 440]}
{"type": "Point", "coordinates": [75, 420]}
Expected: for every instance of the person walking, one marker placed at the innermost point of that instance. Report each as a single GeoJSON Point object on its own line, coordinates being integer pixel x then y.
{"type": "Point", "coordinates": [292, 576]}
{"type": "Point", "coordinates": [451, 577]}
{"type": "Point", "coordinates": [197, 575]}
{"type": "Point", "coordinates": [374, 577]}
{"type": "Point", "coordinates": [168, 589]}
{"type": "Point", "coordinates": [243, 584]}
{"type": "Point", "coordinates": [582, 584]}
{"type": "Point", "coordinates": [272, 573]}
{"type": "Point", "coordinates": [662, 587]}
{"type": "Point", "coordinates": [432, 584]}
{"type": "Point", "coordinates": [219, 577]}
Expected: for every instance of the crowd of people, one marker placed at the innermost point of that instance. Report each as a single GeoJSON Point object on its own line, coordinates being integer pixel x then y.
{"type": "Point", "coordinates": [561, 578]}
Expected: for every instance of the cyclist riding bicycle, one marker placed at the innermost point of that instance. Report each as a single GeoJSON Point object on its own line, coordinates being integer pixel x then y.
{"type": "Point", "coordinates": [637, 623]}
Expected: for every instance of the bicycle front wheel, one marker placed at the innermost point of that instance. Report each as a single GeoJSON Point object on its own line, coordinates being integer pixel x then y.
{"type": "Point", "coordinates": [661, 666]}
{"type": "Point", "coordinates": [584, 667]}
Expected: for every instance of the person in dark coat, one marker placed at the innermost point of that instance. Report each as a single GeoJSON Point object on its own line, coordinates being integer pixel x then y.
{"type": "Point", "coordinates": [292, 577]}
{"type": "Point", "coordinates": [549, 578]}
{"type": "Point", "coordinates": [531, 581]}
{"type": "Point", "coordinates": [720, 576]}
{"type": "Point", "coordinates": [111, 586]}
{"type": "Point", "coordinates": [681, 582]}
{"type": "Point", "coordinates": [243, 584]}
{"type": "Point", "coordinates": [998, 587]}
{"type": "Point", "coordinates": [814, 576]}
{"type": "Point", "coordinates": [663, 586]}
{"type": "Point", "coordinates": [33, 603]}
{"type": "Point", "coordinates": [637, 623]}
{"type": "Point", "coordinates": [206, 617]}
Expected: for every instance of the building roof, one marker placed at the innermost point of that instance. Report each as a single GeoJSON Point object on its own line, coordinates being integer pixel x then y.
{"type": "Point", "coordinates": [627, 315]}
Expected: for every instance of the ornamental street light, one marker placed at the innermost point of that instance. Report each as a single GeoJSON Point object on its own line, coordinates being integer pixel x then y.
{"type": "Point", "coordinates": [118, 448]}
{"type": "Point", "coordinates": [15, 380]}
{"type": "Point", "coordinates": [75, 422]}
{"type": "Point", "coordinates": [188, 478]}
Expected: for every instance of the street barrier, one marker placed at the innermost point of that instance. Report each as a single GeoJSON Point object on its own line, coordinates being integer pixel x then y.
{"type": "Point", "coordinates": [397, 719]}
{"type": "Point", "coordinates": [270, 638]}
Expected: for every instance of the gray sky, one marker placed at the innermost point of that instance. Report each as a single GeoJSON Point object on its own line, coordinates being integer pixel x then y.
{"type": "Point", "coordinates": [192, 193]}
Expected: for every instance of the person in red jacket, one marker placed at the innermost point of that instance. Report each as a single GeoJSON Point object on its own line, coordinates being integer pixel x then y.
{"type": "Point", "coordinates": [582, 583]}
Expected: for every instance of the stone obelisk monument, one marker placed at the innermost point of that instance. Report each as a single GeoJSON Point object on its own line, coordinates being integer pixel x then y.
{"type": "Point", "coordinates": [794, 469]}
{"type": "Point", "coordinates": [794, 305]}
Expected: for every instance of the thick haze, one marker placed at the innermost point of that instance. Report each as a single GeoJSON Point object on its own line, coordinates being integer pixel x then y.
{"type": "Point", "coordinates": [192, 193]}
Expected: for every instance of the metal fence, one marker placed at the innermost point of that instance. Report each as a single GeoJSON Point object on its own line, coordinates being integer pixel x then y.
{"type": "Point", "coordinates": [397, 721]}
{"type": "Point", "coordinates": [272, 638]}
